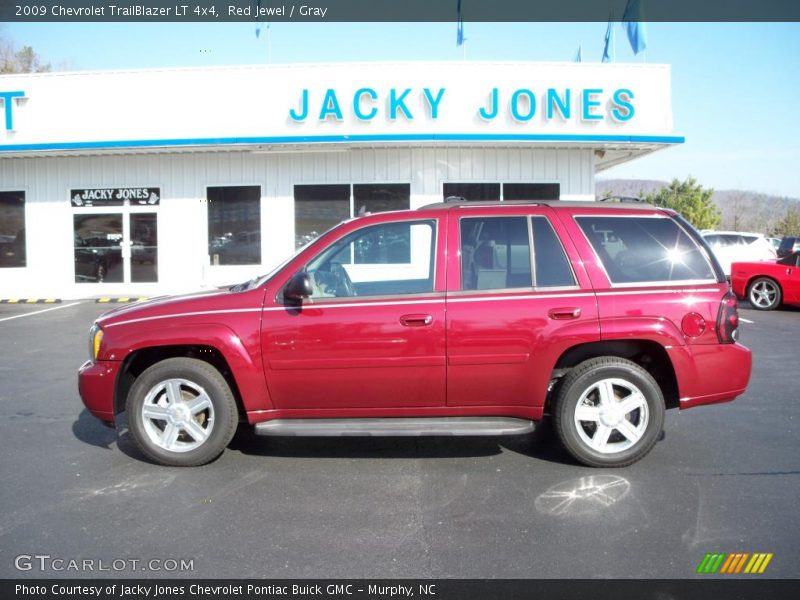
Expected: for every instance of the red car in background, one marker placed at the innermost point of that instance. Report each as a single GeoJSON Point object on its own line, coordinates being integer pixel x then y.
{"type": "Point", "coordinates": [767, 285]}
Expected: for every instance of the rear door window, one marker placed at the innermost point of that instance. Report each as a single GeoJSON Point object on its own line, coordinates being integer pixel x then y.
{"type": "Point", "coordinates": [495, 253]}
{"type": "Point", "coordinates": [645, 249]}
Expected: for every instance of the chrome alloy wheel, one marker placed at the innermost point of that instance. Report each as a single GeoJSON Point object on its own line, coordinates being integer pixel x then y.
{"type": "Point", "coordinates": [763, 294]}
{"type": "Point", "coordinates": [177, 415]}
{"type": "Point", "coordinates": [611, 416]}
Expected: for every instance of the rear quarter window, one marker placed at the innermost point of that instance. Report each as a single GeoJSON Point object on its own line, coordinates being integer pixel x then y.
{"type": "Point", "coordinates": [645, 249]}
{"type": "Point", "coordinates": [552, 267]}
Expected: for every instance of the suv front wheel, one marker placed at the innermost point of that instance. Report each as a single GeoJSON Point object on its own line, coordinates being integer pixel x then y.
{"type": "Point", "coordinates": [181, 412]}
{"type": "Point", "coordinates": [609, 412]}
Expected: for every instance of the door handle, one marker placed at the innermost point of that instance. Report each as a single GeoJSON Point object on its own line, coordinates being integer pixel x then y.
{"type": "Point", "coordinates": [416, 320]}
{"type": "Point", "coordinates": [559, 314]}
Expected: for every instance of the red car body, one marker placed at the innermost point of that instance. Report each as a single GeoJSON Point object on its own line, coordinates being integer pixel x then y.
{"type": "Point", "coordinates": [784, 272]}
{"type": "Point", "coordinates": [483, 353]}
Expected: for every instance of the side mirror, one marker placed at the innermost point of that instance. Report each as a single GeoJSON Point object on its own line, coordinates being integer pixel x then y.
{"type": "Point", "coordinates": [298, 287]}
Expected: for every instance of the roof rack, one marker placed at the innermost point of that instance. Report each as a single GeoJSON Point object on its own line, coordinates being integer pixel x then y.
{"type": "Point", "coordinates": [458, 202]}
{"type": "Point", "coordinates": [620, 199]}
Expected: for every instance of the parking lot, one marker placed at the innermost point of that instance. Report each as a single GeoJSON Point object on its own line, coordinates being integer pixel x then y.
{"type": "Point", "coordinates": [725, 479]}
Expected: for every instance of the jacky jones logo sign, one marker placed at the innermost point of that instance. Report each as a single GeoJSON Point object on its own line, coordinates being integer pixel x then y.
{"type": "Point", "coordinates": [523, 104]}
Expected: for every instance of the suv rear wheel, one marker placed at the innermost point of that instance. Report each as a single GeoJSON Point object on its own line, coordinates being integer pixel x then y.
{"type": "Point", "coordinates": [608, 412]}
{"type": "Point", "coordinates": [181, 412]}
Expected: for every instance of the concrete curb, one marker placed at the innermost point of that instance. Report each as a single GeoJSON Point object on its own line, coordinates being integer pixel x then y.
{"type": "Point", "coordinates": [120, 300]}
{"type": "Point", "coordinates": [30, 300]}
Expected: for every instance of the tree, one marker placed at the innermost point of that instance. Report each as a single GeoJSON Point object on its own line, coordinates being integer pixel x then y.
{"type": "Point", "coordinates": [22, 60]}
{"type": "Point", "coordinates": [790, 223]}
{"type": "Point", "coordinates": [690, 200]}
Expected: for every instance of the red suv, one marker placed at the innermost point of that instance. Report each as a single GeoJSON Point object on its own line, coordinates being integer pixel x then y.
{"type": "Point", "coordinates": [454, 319]}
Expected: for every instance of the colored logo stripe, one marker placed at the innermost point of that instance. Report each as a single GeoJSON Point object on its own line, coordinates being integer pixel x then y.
{"type": "Point", "coordinates": [733, 563]}
{"type": "Point", "coordinates": [710, 563]}
{"type": "Point", "coordinates": [758, 563]}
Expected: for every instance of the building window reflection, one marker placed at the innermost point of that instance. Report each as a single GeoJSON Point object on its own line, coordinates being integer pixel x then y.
{"type": "Point", "coordinates": [234, 225]}
{"type": "Point", "coordinates": [12, 229]}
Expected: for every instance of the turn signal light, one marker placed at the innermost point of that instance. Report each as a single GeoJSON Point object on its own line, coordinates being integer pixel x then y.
{"type": "Point", "coordinates": [95, 337]}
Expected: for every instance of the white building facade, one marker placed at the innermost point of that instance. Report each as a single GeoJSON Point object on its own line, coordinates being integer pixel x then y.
{"type": "Point", "coordinates": [159, 181]}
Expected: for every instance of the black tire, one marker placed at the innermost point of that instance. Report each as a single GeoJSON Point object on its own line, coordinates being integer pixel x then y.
{"type": "Point", "coordinates": [764, 293]}
{"type": "Point", "coordinates": [220, 418]}
{"type": "Point", "coordinates": [647, 420]}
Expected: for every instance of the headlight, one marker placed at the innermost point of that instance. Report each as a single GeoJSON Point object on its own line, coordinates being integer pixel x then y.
{"type": "Point", "coordinates": [95, 337]}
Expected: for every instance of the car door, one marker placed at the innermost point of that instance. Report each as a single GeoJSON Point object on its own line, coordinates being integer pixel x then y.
{"type": "Point", "coordinates": [371, 337]}
{"type": "Point", "coordinates": [790, 278]}
{"type": "Point", "coordinates": [511, 312]}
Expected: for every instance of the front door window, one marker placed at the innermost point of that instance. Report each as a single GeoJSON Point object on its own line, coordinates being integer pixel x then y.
{"type": "Point", "coordinates": [379, 260]}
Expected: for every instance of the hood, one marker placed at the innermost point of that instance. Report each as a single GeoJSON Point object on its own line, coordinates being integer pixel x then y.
{"type": "Point", "coordinates": [209, 300]}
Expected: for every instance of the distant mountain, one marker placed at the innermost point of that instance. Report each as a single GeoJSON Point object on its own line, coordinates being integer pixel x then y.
{"type": "Point", "coordinates": [741, 210]}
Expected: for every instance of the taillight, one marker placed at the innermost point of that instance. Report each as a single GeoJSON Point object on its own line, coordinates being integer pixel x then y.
{"type": "Point", "coordinates": [728, 319]}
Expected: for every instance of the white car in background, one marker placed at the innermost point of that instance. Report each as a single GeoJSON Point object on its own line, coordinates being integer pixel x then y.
{"type": "Point", "coordinates": [738, 246]}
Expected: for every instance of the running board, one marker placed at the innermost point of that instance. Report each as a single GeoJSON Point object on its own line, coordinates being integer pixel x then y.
{"type": "Point", "coordinates": [396, 426]}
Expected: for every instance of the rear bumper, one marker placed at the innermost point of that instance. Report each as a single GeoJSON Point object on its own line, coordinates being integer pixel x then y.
{"type": "Point", "coordinates": [710, 374]}
{"type": "Point", "coordinates": [96, 382]}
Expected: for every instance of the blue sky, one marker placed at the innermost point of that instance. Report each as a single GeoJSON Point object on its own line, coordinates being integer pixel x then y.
{"type": "Point", "coordinates": [736, 86]}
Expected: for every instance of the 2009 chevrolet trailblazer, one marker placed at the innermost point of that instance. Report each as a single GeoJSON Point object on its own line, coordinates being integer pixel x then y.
{"type": "Point", "coordinates": [455, 319]}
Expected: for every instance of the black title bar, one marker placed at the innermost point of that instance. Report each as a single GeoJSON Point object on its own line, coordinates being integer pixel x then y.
{"type": "Point", "coordinates": [738, 588]}
{"type": "Point", "coordinates": [391, 10]}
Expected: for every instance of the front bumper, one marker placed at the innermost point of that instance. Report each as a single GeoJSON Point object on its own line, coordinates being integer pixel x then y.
{"type": "Point", "coordinates": [709, 374]}
{"type": "Point", "coordinates": [96, 382]}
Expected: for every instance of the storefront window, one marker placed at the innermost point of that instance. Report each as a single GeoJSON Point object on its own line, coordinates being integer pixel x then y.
{"type": "Point", "coordinates": [483, 192]}
{"type": "Point", "coordinates": [473, 191]}
{"type": "Point", "coordinates": [317, 208]}
{"type": "Point", "coordinates": [234, 225]}
{"type": "Point", "coordinates": [12, 229]}
{"type": "Point", "coordinates": [380, 197]}
{"type": "Point", "coordinates": [531, 191]}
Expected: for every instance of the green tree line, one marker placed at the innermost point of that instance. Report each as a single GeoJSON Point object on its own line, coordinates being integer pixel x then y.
{"type": "Point", "coordinates": [695, 203]}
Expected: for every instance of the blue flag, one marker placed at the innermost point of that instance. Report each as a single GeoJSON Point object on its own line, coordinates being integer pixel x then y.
{"type": "Point", "coordinates": [608, 50]}
{"type": "Point", "coordinates": [637, 33]}
{"type": "Point", "coordinates": [460, 30]}
{"type": "Point", "coordinates": [579, 55]}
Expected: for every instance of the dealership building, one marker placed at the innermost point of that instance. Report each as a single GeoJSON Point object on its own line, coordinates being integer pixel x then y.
{"type": "Point", "coordinates": [143, 182]}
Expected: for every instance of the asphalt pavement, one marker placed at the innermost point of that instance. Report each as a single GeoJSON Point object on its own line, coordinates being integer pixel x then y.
{"type": "Point", "coordinates": [725, 479]}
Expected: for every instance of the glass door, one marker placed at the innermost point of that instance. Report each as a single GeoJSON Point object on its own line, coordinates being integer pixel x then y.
{"type": "Point", "coordinates": [98, 248]}
{"type": "Point", "coordinates": [116, 247]}
{"type": "Point", "coordinates": [144, 247]}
